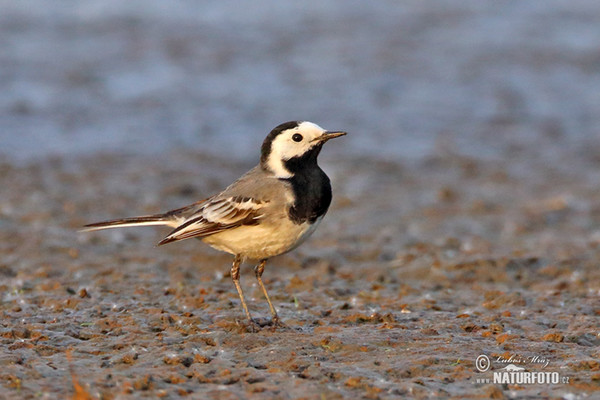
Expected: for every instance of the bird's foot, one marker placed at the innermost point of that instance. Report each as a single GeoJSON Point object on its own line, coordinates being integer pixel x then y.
{"type": "Point", "coordinates": [255, 325]}
{"type": "Point", "coordinates": [274, 324]}
{"type": "Point", "coordinates": [277, 323]}
{"type": "Point", "coordinates": [252, 326]}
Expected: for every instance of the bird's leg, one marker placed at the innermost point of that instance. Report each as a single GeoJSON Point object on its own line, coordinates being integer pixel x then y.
{"type": "Point", "coordinates": [258, 270]}
{"type": "Point", "coordinates": [235, 275]}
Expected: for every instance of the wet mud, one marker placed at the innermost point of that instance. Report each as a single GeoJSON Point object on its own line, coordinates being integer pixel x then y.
{"type": "Point", "coordinates": [465, 223]}
{"type": "Point", "coordinates": [417, 269]}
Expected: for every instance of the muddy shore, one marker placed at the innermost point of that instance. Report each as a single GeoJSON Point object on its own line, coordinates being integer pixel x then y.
{"type": "Point", "coordinates": [465, 223]}
{"type": "Point", "coordinates": [417, 270]}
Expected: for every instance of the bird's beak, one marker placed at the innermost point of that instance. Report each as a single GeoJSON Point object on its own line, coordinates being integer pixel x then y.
{"type": "Point", "coordinates": [328, 135]}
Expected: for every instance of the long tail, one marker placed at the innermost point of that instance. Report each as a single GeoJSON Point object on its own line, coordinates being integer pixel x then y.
{"type": "Point", "coordinates": [147, 220]}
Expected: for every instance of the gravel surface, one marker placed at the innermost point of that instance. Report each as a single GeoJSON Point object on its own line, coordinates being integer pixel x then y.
{"type": "Point", "coordinates": [417, 270]}
{"type": "Point", "coordinates": [465, 224]}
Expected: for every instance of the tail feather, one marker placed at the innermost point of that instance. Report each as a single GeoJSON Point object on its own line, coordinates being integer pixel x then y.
{"type": "Point", "coordinates": [158, 219]}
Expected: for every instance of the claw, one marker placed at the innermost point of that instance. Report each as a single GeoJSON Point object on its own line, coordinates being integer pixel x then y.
{"type": "Point", "coordinates": [252, 327]}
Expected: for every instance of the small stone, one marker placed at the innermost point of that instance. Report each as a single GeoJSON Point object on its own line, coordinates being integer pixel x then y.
{"type": "Point", "coordinates": [553, 337]}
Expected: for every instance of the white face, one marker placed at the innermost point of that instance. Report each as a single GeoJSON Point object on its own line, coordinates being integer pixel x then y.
{"type": "Point", "coordinates": [292, 143]}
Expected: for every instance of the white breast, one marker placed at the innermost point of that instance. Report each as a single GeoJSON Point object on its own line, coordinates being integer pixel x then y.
{"type": "Point", "coordinates": [263, 240]}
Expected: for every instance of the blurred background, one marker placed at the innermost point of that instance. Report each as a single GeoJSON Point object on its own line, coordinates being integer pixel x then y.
{"type": "Point", "coordinates": [406, 79]}
{"type": "Point", "coordinates": [465, 219]}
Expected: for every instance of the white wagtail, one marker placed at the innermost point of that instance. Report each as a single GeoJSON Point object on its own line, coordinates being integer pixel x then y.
{"type": "Point", "coordinates": [270, 210]}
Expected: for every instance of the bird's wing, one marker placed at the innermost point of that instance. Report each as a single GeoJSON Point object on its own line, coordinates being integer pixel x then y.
{"type": "Point", "coordinates": [218, 214]}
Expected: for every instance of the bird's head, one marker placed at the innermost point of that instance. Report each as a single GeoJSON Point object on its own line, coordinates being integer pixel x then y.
{"type": "Point", "coordinates": [294, 140]}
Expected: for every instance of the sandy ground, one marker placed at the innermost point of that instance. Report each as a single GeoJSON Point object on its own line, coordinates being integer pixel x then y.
{"type": "Point", "coordinates": [417, 270]}
{"type": "Point", "coordinates": [465, 221]}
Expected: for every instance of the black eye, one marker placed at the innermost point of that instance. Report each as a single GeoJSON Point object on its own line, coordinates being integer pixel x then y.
{"type": "Point", "coordinates": [297, 137]}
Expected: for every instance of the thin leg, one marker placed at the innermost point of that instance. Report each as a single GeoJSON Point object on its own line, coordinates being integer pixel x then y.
{"type": "Point", "coordinates": [258, 270]}
{"type": "Point", "coordinates": [235, 275]}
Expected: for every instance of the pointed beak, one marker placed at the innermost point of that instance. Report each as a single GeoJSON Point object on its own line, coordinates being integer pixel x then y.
{"type": "Point", "coordinates": [329, 135]}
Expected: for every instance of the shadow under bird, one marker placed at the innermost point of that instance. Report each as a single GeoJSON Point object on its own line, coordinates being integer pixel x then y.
{"type": "Point", "coordinates": [270, 210]}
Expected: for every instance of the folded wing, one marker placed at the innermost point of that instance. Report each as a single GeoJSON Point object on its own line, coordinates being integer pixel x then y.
{"type": "Point", "coordinates": [217, 215]}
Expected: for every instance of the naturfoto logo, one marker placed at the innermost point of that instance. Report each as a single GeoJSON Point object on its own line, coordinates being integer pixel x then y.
{"type": "Point", "coordinates": [511, 371]}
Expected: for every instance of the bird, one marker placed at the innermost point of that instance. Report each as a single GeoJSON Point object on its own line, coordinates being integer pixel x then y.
{"type": "Point", "coordinates": [270, 210]}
